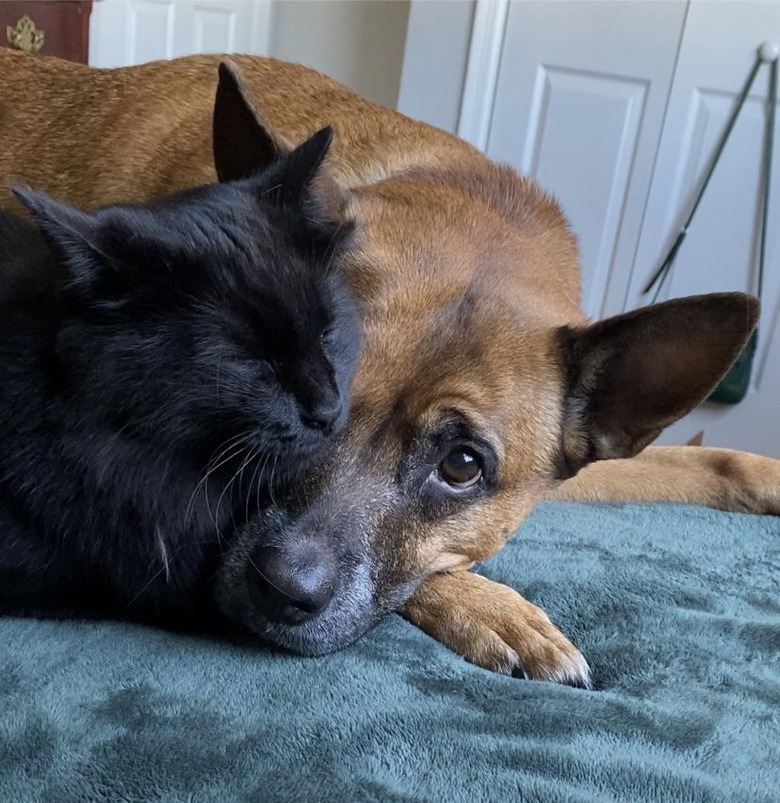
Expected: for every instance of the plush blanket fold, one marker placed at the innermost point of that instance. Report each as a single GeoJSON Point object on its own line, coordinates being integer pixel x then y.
{"type": "Point", "coordinates": [676, 608]}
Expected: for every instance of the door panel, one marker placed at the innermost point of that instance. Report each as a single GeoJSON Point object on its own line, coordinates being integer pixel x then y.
{"type": "Point", "coordinates": [580, 98]}
{"type": "Point", "coordinates": [720, 250]}
{"type": "Point", "coordinates": [127, 32]}
{"type": "Point", "coordinates": [215, 30]}
{"type": "Point", "coordinates": [565, 100]}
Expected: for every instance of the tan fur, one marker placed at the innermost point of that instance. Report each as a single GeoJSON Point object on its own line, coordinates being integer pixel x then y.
{"type": "Point", "coordinates": [464, 272]}
{"type": "Point", "coordinates": [719, 478]}
{"type": "Point", "coordinates": [159, 119]}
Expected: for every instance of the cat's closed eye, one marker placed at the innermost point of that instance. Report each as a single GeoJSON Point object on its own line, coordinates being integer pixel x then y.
{"type": "Point", "coordinates": [254, 365]}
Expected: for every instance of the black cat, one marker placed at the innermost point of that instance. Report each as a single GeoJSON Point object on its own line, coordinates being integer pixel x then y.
{"type": "Point", "coordinates": [161, 367]}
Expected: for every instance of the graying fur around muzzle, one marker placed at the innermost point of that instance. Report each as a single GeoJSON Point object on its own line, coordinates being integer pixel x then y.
{"type": "Point", "coordinates": [247, 595]}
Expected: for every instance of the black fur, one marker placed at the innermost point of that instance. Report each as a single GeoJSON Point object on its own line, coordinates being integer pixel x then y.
{"type": "Point", "coordinates": [143, 349]}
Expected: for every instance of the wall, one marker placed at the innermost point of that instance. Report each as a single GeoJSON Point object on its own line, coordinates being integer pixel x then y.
{"type": "Point", "coordinates": [357, 42]}
{"type": "Point", "coordinates": [435, 61]}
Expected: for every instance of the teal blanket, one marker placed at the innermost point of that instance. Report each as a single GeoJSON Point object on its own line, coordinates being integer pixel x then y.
{"type": "Point", "coordinates": [676, 608]}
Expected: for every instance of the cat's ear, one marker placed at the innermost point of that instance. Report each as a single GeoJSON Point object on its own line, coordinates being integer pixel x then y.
{"type": "Point", "coordinates": [73, 234]}
{"type": "Point", "coordinates": [244, 141]}
{"type": "Point", "coordinates": [298, 169]}
{"type": "Point", "coordinates": [301, 178]}
{"type": "Point", "coordinates": [631, 376]}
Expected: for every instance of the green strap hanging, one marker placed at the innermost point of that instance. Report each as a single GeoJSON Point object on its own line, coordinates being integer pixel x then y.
{"type": "Point", "coordinates": [734, 385]}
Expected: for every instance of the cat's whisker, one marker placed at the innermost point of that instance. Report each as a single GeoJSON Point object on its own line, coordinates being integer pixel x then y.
{"type": "Point", "coordinates": [238, 479]}
{"type": "Point", "coordinates": [227, 443]}
{"type": "Point", "coordinates": [243, 491]}
{"type": "Point", "coordinates": [219, 367]}
{"type": "Point", "coordinates": [252, 485]}
{"type": "Point", "coordinates": [235, 452]}
{"type": "Point", "coordinates": [310, 378]}
{"type": "Point", "coordinates": [214, 513]}
{"type": "Point", "coordinates": [260, 481]}
{"type": "Point", "coordinates": [270, 583]}
{"type": "Point", "coordinates": [203, 483]}
{"type": "Point", "coordinates": [271, 480]}
{"type": "Point", "coordinates": [165, 569]}
{"type": "Point", "coordinates": [163, 554]}
{"type": "Point", "coordinates": [230, 445]}
{"type": "Point", "coordinates": [235, 476]}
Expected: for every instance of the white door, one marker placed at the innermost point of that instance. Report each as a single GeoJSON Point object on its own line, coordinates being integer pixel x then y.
{"type": "Point", "coordinates": [124, 32]}
{"type": "Point", "coordinates": [719, 253]}
{"type": "Point", "coordinates": [579, 104]}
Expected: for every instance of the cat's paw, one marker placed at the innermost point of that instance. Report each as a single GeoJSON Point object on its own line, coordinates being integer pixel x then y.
{"type": "Point", "coordinates": [494, 627]}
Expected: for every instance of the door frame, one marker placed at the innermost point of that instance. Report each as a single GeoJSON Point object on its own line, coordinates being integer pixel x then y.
{"type": "Point", "coordinates": [482, 67]}
{"type": "Point", "coordinates": [473, 55]}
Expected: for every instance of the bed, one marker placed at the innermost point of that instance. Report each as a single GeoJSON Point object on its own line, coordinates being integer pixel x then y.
{"type": "Point", "coordinates": [677, 609]}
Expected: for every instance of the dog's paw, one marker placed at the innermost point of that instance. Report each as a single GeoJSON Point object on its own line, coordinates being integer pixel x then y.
{"type": "Point", "coordinates": [753, 482]}
{"type": "Point", "coordinates": [494, 627]}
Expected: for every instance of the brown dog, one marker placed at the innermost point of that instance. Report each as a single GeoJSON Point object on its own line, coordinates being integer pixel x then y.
{"type": "Point", "coordinates": [481, 387]}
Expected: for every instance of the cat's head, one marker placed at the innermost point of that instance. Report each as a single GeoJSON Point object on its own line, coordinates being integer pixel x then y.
{"type": "Point", "coordinates": [213, 318]}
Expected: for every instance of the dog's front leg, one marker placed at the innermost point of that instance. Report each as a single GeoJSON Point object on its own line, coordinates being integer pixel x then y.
{"type": "Point", "coordinates": [719, 478]}
{"type": "Point", "coordinates": [492, 626]}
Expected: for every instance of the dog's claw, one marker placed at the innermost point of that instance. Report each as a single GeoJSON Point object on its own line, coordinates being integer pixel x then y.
{"type": "Point", "coordinates": [492, 626]}
{"type": "Point", "coordinates": [576, 674]}
{"type": "Point", "coordinates": [519, 672]}
{"type": "Point", "coordinates": [573, 670]}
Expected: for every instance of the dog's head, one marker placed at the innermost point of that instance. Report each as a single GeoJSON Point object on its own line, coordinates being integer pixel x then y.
{"type": "Point", "coordinates": [479, 389]}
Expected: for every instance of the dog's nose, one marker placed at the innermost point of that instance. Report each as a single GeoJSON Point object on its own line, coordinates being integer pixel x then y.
{"type": "Point", "coordinates": [294, 582]}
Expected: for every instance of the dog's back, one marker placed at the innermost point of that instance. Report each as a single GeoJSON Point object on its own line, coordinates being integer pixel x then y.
{"type": "Point", "coordinates": [137, 132]}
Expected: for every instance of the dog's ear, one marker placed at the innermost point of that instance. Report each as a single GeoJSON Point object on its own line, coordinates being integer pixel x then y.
{"type": "Point", "coordinates": [244, 141]}
{"type": "Point", "coordinates": [246, 144]}
{"type": "Point", "coordinates": [75, 235]}
{"type": "Point", "coordinates": [631, 376]}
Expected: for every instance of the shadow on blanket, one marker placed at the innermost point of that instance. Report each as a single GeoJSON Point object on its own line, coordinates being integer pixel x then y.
{"type": "Point", "coordinates": [676, 608]}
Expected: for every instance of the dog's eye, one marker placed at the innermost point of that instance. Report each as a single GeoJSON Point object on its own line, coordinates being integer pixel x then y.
{"type": "Point", "coordinates": [461, 468]}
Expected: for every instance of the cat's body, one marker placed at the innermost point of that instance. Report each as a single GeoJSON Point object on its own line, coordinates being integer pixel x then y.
{"type": "Point", "coordinates": [161, 369]}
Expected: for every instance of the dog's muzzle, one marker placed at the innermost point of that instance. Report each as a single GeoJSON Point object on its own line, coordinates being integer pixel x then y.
{"type": "Point", "coordinates": [292, 583]}
{"type": "Point", "coordinates": [296, 584]}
